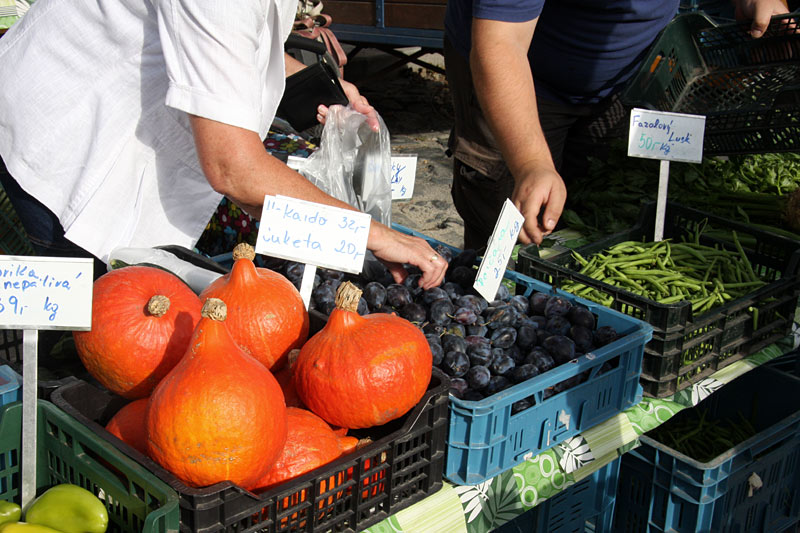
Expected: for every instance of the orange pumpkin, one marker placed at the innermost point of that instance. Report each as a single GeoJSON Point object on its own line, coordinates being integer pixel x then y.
{"type": "Point", "coordinates": [362, 371]}
{"type": "Point", "coordinates": [219, 414]}
{"type": "Point", "coordinates": [142, 320]}
{"type": "Point", "coordinates": [310, 443]}
{"type": "Point", "coordinates": [129, 425]}
{"type": "Point", "coordinates": [266, 315]}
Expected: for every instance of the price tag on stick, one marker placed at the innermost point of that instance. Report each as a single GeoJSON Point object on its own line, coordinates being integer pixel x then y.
{"type": "Point", "coordinates": [668, 137]}
{"type": "Point", "coordinates": [498, 251]}
{"type": "Point", "coordinates": [404, 173]}
{"type": "Point", "coordinates": [41, 293]}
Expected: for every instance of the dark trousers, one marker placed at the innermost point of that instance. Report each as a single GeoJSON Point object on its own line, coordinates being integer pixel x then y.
{"type": "Point", "coordinates": [482, 181]}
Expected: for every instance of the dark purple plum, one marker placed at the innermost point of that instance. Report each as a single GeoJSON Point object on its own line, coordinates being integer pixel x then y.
{"type": "Point", "coordinates": [434, 329]}
{"type": "Point", "coordinates": [454, 290]}
{"type": "Point", "coordinates": [440, 311]}
{"type": "Point", "coordinates": [557, 306]}
{"type": "Point", "coordinates": [527, 335]}
{"type": "Point", "coordinates": [504, 337]}
{"type": "Point", "coordinates": [472, 395]}
{"type": "Point", "coordinates": [604, 335]}
{"type": "Point", "coordinates": [503, 293]}
{"type": "Point", "coordinates": [434, 293]}
{"type": "Point", "coordinates": [455, 364]}
{"type": "Point", "coordinates": [543, 360]}
{"type": "Point", "coordinates": [444, 252]}
{"type": "Point", "coordinates": [523, 373]}
{"type": "Point", "coordinates": [438, 354]}
{"type": "Point", "coordinates": [477, 329]}
{"type": "Point", "coordinates": [454, 343]}
{"type": "Point", "coordinates": [458, 386]}
{"type": "Point", "coordinates": [502, 365]}
{"type": "Point", "coordinates": [398, 295]}
{"type": "Point", "coordinates": [560, 347]}
{"type": "Point", "coordinates": [454, 328]}
{"type": "Point", "coordinates": [463, 275]}
{"type": "Point", "coordinates": [521, 302]}
{"type": "Point", "coordinates": [465, 315]}
{"type": "Point", "coordinates": [496, 384]}
{"type": "Point", "coordinates": [470, 300]}
{"type": "Point", "coordinates": [466, 257]}
{"type": "Point", "coordinates": [514, 353]}
{"type": "Point", "coordinates": [558, 325]}
{"type": "Point", "coordinates": [498, 317]}
{"type": "Point", "coordinates": [539, 320]}
{"type": "Point", "coordinates": [412, 284]}
{"type": "Point", "coordinates": [375, 295]}
{"type": "Point", "coordinates": [433, 338]}
{"type": "Point", "coordinates": [480, 355]}
{"type": "Point", "coordinates": [413, 312]}
{"type": "Point", "coordinates": [478, 377]}
{"type": "Point", "coordinates": [363, 307]}
{"type": "Point", "coordinates": [537, 302]}
{"type": "Point", "coordinates": [581, 316]}
{"type": "Point", "coordinates": [582, 336]}
{"type": "Point", "coordinates": [521, 405]}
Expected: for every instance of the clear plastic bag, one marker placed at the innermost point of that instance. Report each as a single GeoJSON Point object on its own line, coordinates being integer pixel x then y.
{"type": "Point", "coordinates": [353, 163]}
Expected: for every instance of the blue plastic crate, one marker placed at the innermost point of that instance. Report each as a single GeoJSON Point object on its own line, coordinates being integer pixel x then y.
{"type": "Point", "coordinates": [10, 385]}
{"type": "Point", "coordinates": [661, 489]}
{"type": "Point", "coordinates": [485, 439]}
{"type": "Point", "coordinates": [586, 506]}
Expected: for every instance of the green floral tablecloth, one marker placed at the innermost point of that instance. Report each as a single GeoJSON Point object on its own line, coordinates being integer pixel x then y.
{"type": "Point", "coordinates": [483, 507]}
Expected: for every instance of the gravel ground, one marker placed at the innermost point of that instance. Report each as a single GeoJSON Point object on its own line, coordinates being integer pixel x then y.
{"type": "Point", "coordinates": [415, 105]}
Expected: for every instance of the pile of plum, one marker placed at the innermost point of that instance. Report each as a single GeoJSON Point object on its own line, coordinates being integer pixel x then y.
{"type": "Point", "coordinates": [484, 347]}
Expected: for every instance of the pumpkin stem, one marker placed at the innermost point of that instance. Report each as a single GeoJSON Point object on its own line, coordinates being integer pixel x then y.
{"type": "Point", "coordinates": [215, 309]}
{"type": "Point", "coordinates": [158, 305]}
{"type": "Point", "coordinates": [347, 297]}
{"type": "Point", "coordinates": [244, 250]}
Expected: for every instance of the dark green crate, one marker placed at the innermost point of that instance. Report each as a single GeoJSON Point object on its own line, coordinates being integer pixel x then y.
{"type": "Point", "coordinates": [686, 348]}
{"type": "Point", "coordinates": [68, 452]}
{"type": "Point", "coordinates": [748, 89]}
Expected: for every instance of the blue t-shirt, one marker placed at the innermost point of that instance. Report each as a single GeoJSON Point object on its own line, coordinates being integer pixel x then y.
{"type": "Point", "coordinates": [582, 50]}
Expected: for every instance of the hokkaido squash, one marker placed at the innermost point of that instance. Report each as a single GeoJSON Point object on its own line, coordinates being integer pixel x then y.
{"type": "Point", "coordinates": [142, 320]}
{"type": "Point", "coordinates": [266, 315]}
{"type": "Point", "coordinates": [129, 425]}
{"type": "Point", "coordinates": [310, 443]}
{"type": "Point", "coordinates": [362, 371]}
{"type": "Point", "coordinates": [219, 414]}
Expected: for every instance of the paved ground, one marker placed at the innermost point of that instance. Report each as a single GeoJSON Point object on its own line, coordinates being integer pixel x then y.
{"type": "Point", "coordinates": [415, 105]}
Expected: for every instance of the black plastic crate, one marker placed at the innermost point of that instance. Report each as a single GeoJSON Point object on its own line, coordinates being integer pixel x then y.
{"type": "Point", "coordinates": [748, 89]}
{"type": "Point", "coordinates": [686, 348]}
{"type": "Point", "coordinates": [402, 465]}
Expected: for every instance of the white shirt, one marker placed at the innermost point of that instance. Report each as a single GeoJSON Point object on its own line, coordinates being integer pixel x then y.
{"type": "Point", "coordinates": [94, 96]}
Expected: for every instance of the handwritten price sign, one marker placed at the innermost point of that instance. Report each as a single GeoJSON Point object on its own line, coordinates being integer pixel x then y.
{"type": "Point", "coordinates": [666, 136]}
{"type": "Point", "coordinates": [45, 292]}
{"type": "Point", "coordinates": [404, 173]}
{"type": "Point", "coordinates": [311, 233]}
{"type": "Point", "coordinates": [501, 244]}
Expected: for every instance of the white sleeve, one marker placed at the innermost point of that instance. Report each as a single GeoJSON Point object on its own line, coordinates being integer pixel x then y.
{"type": "Point", "coordinates": [211, 50]}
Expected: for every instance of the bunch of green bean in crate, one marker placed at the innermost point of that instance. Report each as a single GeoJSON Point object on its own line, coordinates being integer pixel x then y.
{"type": "Point", "coordinates": [714, 290]}
{"type": "Point", "coordinates": [668, 272]}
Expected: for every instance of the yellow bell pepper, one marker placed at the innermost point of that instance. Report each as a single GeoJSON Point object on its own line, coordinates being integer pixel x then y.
{"type": "Point", "coordinates": [23, 527]}
{"type": "Point", "coordinates": [9, 512]}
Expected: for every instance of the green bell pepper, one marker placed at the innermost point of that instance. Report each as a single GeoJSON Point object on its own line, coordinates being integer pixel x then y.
{"type": "Point", "coordinates": [9, 512]}
{"type": "Point", "coordinates": [70, 509]}
{"type": "Point", "coordinates": [24, 527]}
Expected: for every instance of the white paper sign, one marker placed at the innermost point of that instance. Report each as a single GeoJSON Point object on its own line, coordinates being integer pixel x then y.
{"type": "Point", "coordinates": [666, 136]}
{"type": "Point", "coordinates": [46, 292]}
{"type": "Point", "coordinates": [312, 233]}
{"type": "Point", "coordinates": [501, 244]}
{"type": "Point", "coordinates": [404, 173]}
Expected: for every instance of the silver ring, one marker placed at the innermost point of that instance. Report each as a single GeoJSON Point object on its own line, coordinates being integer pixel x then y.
{"type": "Point", "coordinates": [434, 258]}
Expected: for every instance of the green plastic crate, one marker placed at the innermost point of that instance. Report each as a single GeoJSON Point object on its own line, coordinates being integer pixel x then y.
{"type": "Point", "coordinates": [68, 452]}
{"type": "Point", "coordinates": [748, 89]}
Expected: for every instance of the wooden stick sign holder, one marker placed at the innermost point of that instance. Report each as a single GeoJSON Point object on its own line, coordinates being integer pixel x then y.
{"type": "Point", "coordinates": [41, 293]}
{"type": "Point", "coordinates": [668, 137]}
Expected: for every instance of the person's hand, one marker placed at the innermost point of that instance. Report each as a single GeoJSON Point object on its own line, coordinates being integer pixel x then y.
{"type": "Point", "coordinates": [759, 12]}
{"type": "Point", "coordinates": [357, 102]}
{"type": "Point", "coordinates": [394, 249]}
{"type": "Point", "coordinates": [539, 195]}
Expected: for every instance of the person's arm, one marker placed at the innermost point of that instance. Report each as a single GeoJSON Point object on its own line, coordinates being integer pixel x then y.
{"type": "Point", "coordinates": [760, 12]}
{"type": "Point", "coordinates": [237, 165]}
{"type": "Point", "coordinates": [504, 85]}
